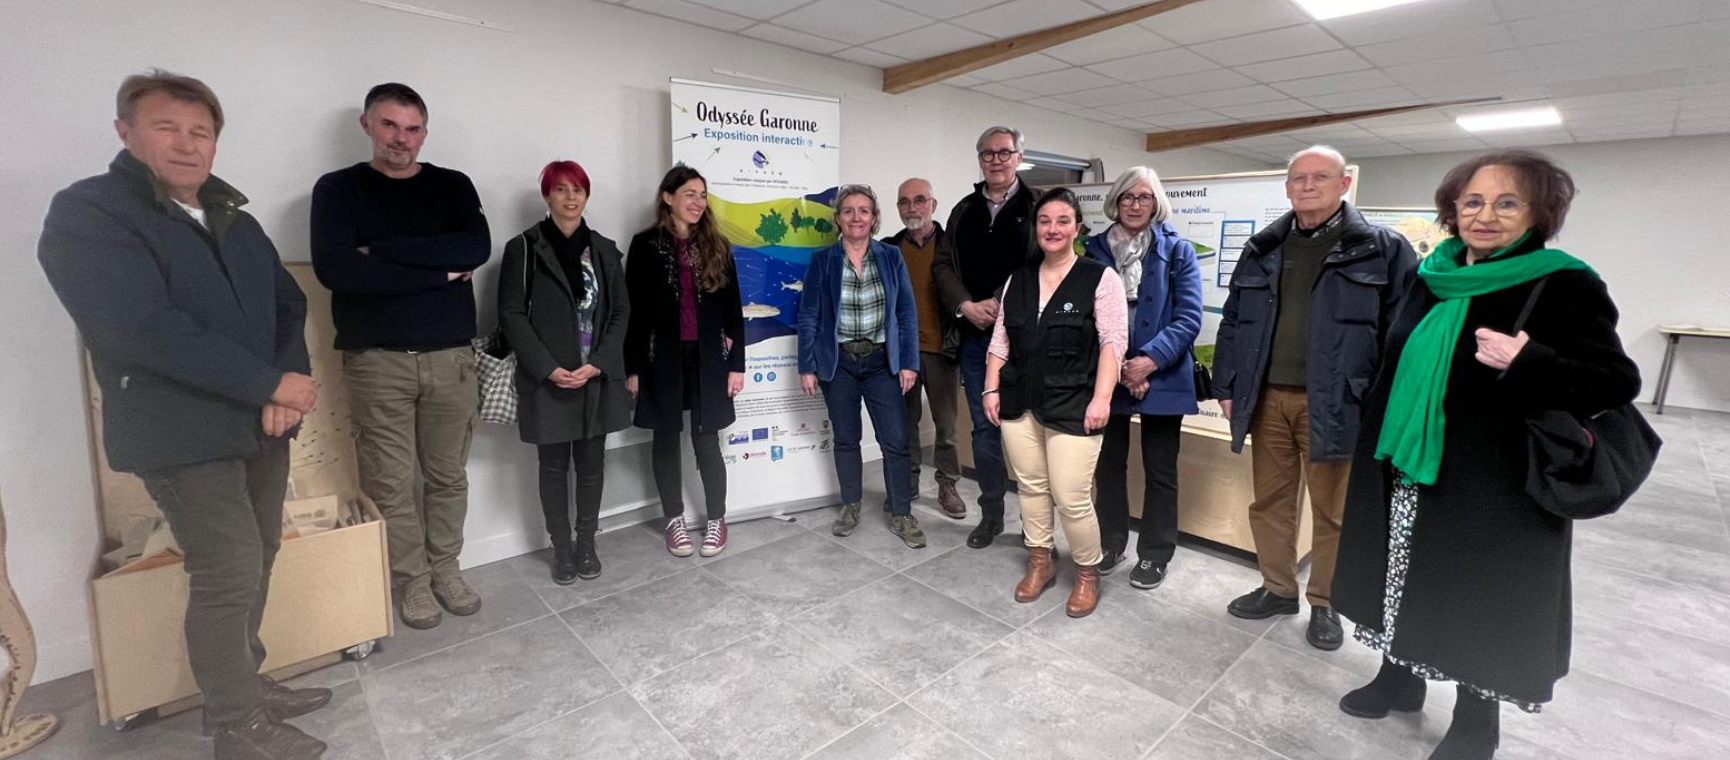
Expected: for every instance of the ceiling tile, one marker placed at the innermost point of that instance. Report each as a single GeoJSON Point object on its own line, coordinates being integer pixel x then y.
{"type": "Point", "coordinates": [1510, 86]}
{"type": "Point", "coordinates": [1319, 64]}
{"type": "Point", "coordinates": [1613, 136]}
{"type": "Point", "coordinates": [1148, 108]}
{"type": "Point", "coordinates": [1059, 82]}
{"type": "Point", "coordinates": [1648, 111]}
{"type": "Point", "coordinates": [1092, 115]}
{"type": "Point", "coordinates": [1638, 48]}
{"type": "Point", "coordinates": [1272, 109]}
{"type": "Point", "coordinates": [1022, 16]}
{"type": "Point", "coordinates": [1122, 42]}
{"type": "Point", "coordinates": [1201, 81]}
{"type": "Point", "coordinates": [855, 21]}
{"type": "Point", "coordinates": [944, 8]}
{"type": "Point", "coordinates": [1328, 85]}
{"type": "Point", "coordinates": [964, 80]}
{"type": "Point", "coordinates": [1025, 66]}
{"type": "Point", "coordinates": [1105, 96]}
{"type": "Point", "coordinates": [1325, 132]}
{"type": "Point", "coordinates": [1376, 98]}
{"type": "Point", "coordinates": [1377, 151]}
{"type": "Point", "coordinates": [1591, 123]}
{"type": "Point", "coordinates": [1524, 137]}
{"type": "Point", "coordinates": [1486, 39]}
{"type": "Point", "coordinates": [1278, 145]}
{"type": "Point", "coordinates": [1518, 9]}
{"type": "Point", "coordinates": [1621, 86]}
{"type": "Point", "coordinates": [793, 39]}
{"type": "Point", "coordinates": [1455, 145]}
{"type": "Point", "coordinates": [869, 57]}
{"type": "Point", "coordinates": [1605, 20]}
{"type": "Point", "coordinates": [1050, 104]}
{"type": "Point", "coordinates": [1164, 63]}
{"type": "Point", "coordinates": [701, 15]}
{"type": "Point", "coordinates": [1266, 46]}
{"type": "Point", "coordinates": [1218, 19]}
{"type": "Point", "coordinates": [1190, 119]}
{"type": "Point", "coordinates": [1259, 93]}
{"type": "Point", "coordinates": [1442, 127]}
{"type": "Point", "coordinates": [1467, 70]}
{"type": "Point", "coordinates": [1001, 90]}
{"type": "Point", "coordinates": [1414, 20]}
{"type": "Point", "coordinates": [1407, 119]}
{"type": "Point", "coordinates": [761, 10]}
{"type": "Point", "coordinates": [927, 41]}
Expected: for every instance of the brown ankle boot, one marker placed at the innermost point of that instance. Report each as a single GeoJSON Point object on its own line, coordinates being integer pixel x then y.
{"type": "Point", "coordinates": [1085, 597]}
{"type": "Point", "coordinates": [1040, 575]}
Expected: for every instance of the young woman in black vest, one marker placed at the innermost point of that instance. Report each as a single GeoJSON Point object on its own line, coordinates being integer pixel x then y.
{"type": "Point", "coordinates": [685, 350]}
{"type": "Point", "coordinates": [563, 308]}
{"type": "Point", "coordinates": [1048, 383]}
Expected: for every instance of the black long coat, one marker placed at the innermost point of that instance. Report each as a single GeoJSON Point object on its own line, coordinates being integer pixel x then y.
{"type": "Point", "coordinates": [1487, 595]}
{"type": "Point", "coordinates": [541, 327]}
{"type": "Point", "coordinates": [654, 352]}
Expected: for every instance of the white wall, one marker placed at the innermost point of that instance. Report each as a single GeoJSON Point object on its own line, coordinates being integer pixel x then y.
{"type": "Point", "coordinates": [575, 79]}
{"type": "Point", "coordinates": [1647, 218]}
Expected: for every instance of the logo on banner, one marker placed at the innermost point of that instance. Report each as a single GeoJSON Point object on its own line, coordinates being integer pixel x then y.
{"type": "Point", "coordinates": [760, 434]}
{"type": "Point", "coordinates": [729, 459]}
{"type": "Point", "coordinates": [759, 160]}
{"type": "Point", "coordinates": [776, 453]}
{"type": "Point", "coordinates": [734, 439]}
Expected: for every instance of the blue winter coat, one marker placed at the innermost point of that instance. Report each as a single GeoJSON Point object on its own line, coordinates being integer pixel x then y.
{"type": "Point", "coordinates": [819, 348]}
{"type": "Point", "coordinates": [1164, 323]}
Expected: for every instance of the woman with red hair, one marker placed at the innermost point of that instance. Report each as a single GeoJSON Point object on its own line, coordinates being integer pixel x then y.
{"type": "Point", "coordinates": [564, 310]}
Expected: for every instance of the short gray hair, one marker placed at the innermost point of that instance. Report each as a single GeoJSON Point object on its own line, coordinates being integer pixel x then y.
{"type": "Point", "coordinates": [1325, 151]}
{"type": "Point", "coordinates": [177, 86]}
{"type": "Point", "coordinates": [1014, 135]}
{"type": "Point", "coordinates": [848, 191]}
{"type": "Point", "coordinates": [1131, 177]}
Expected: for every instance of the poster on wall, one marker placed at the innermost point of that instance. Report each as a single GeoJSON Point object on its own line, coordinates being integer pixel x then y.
{"type": "Point", "coordinates": [1416, 223]}
{"type": "Point", "coordinates": [773, 163]}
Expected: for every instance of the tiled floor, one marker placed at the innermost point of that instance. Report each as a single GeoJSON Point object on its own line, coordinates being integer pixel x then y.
{"type": "Point", "coordinates": [795, 644]}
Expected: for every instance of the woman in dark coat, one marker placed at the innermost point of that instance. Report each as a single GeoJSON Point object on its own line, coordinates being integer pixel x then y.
{"type": "Point", "coordinates": [686, 348]}
{"type": "Point", "coordinates": [563, 307]}
{"type": "Point", "coordinates": [1447, 566]}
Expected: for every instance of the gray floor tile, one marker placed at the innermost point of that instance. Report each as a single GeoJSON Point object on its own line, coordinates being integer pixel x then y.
{"type": "Point", "coordinates": [873, 539]}
{"type": "Point", "coordinates": [797, 573]}
{"type": "Point", "coordinates": [1167, 650]}
{"type": "Point", "coordinates": [1611, 593]}
{"type": "Point", "coordinates": [1683, 565]}
{"type": "Point", "coordinates": [615, 728]}
{"type": "Point", "coordinates": [346, 724]}
{"type": "Point", "coordinates": [899, 734]}
{"type": "Point", "coordinates": [774, 695]}
{"type": "Point", "coordinates": [1197, 739]}
{"type": "Point", "coordinates": [1023, 698]}
{"type": "Point", "coordinates": [327, 678]}
{"type": "Point", "coordinates": [1593, 718]}
{"type": "Point", "coordinates": [1203, 583]}
{"type": "Point", "coordinates": [900, 633]}
{"type": "Point", "coordinates": [742, 537]}
{"type": "Point", "coordinates": [455, 702]}
{"type": "Point", "coordinates": [1291, 632]}
{"type": "Point", "coordinates": [985, 579]}
{"type": "Point", "coordinates": [505, 601]}
{"type": "Point", "coordinates": [1286, 700]}
{"type": "Point", "coordinates": [629, 557]}
{"type": "Point", "coordinates": [660, 625]}
{"type": "Point", "coordinates": [1681, 517]}
{"type": "Point", "coordinates": [1682, 668]}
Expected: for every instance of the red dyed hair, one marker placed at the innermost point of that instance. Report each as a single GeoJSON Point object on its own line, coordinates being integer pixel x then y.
{"type": "Point", "coordinates": [563, 171]}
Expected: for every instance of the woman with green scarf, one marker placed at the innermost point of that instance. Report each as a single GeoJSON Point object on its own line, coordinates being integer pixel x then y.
{"type": "Point", "coordinates": [1448, 568]}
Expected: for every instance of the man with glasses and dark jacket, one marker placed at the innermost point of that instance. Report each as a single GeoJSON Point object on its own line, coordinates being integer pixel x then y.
{"type": "Point", "coordinates": [989, 236]}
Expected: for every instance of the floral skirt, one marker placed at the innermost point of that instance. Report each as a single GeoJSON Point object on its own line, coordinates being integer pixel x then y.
{"type": "Point", "coordinates": [1402, 515]}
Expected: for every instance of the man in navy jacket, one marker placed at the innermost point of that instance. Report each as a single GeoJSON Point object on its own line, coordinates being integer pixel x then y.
{"type": "Point", "coordinates": [195, 333]}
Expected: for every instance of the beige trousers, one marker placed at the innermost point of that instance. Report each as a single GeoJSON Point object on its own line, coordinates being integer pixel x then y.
{"type": "Point", "coordinates": [1054, 472]}
{"type": "Point", "coordinates": [1280, 460]}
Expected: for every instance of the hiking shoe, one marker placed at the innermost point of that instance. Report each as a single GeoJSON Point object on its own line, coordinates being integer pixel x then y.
{"type": "Point", "coordinates": [846, 521]}
{"type": "Point", "coordinates": [258, 736]}
{"type": "Point", "coordinates": [678, 539]}
{"type": "Point", "coordinates": [1147, 574]}
{"type": "Point", "coordinates": [416, 604]}
{"type": "Point", "coordinates": [907, 527]}
{"type": "Point", "coordinates": [455, 594]}
{"type": "Point", "coordinates": [715, 537]}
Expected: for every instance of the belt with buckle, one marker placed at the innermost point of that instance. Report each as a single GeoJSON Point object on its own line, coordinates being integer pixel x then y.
{"type": "Point", "coordinates": [860, 347]}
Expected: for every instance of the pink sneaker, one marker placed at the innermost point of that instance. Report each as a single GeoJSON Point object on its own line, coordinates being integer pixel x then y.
{"type": "Point", "coordinates": [715, 537]}
{"type": "Point", "coordinates": [678, 541]}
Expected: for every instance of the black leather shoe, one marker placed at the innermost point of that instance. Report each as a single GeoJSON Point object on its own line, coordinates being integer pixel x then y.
{"type": "Point", "coordinates": [1325, 633]}
{"type": "Point", "coordinates": [985, 533]}
{"type": "Point", "coordinates": [564, 564]}
{"type": "Point", "coordinates": [588, 562]}
{"type": "Point", "coordinates": [281, 702]}
{"type": "Point", "coordinates": [1398, 693]}
{"type": "Point", "coordinates": [1108, 561]}
{"type": "Point", "coordinates": [1261, 604]}
{"type": "Point", "coordinates": [1147, 574]}
{"type": "Point", "coordinates": [259, 737]}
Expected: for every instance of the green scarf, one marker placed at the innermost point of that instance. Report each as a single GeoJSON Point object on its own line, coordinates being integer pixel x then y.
{"type": "Point", "coordinates": [1412, 430]}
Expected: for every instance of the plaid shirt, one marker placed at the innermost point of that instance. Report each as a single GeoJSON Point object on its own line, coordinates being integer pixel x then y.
{"type": "Point", "coordinates": [861, 314]}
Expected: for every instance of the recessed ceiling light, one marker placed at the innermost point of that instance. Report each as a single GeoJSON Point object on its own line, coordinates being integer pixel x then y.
{"type": "Point", "coordinates": [1322, 10]}
{"type": "Point", "coordinates": [1502, 120]}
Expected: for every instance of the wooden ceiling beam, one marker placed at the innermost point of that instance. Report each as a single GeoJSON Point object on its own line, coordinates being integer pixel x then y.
{"type": "Point", "coordinates": [1189, 138]}
{"type": "Point", "coordinates": [913, 75]}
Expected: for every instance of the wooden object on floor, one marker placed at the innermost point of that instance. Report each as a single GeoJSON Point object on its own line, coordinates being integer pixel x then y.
{"type": "Point", "coordinates": [19, 639]}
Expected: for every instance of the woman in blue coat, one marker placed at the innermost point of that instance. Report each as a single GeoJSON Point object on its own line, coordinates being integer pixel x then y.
{"type": "Point", "coordinates": [1163, 284]}
{"type": "Point", "coordinates": [859, 342]}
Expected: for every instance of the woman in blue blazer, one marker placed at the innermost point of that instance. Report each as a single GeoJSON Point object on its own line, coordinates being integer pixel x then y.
{"type": "Point", "coordinates": [859, 342]}
{"type": "Point", "coordinates": [1163, 283]}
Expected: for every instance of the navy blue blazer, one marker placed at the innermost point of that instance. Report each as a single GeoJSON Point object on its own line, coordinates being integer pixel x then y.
{"type": "Point", "coordinates": [1163, 322]}
{"type": "Point", "coordinates": [819, 348]}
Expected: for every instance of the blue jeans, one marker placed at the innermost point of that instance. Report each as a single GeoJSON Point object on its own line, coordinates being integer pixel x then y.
{"type": "Point", "coordinates": [868, 379]}
{"type": "Point", "coordinates": [987, 438]}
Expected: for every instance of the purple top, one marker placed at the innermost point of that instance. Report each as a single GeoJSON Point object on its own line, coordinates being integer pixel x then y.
{"type": "Point", "coordinates": [687, 291]}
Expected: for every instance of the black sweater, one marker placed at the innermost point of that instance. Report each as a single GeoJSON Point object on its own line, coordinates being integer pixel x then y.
{"type": "Point", "coordinates": [417, 231]}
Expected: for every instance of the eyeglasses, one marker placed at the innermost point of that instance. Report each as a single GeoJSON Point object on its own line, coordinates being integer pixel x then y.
{"type": "Point", "coordinates": [1504, 206]}
{"type": "Point", "coordinates": [997, 156]}
{"type": "Point", "coordinates": [1319, 178]}
{"type": "Point", "coordinates": [914, 202]}
{"type": "Point", "coordinates": [1142, 199]}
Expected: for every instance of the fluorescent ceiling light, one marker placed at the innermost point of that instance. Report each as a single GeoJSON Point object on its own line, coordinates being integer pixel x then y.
{"type": "Point", "coordinates": [1025, 166]}
{"type": "Point", "coordinates": [1322, 10]}
{"type": "Point", "coordinates": [1500, 120]}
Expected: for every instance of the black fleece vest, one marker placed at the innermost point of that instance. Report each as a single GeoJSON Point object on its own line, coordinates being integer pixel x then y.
{"type": "Point", "coordinates": [1054, 356]}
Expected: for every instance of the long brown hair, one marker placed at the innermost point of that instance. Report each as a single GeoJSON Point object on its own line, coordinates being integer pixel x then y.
{"type": "Point", "coordinates": [712, 255]}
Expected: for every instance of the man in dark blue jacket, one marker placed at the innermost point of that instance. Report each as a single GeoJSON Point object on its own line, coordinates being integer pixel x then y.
{"type": "Point", "coordinates": [195, 334]}
{"type": "Point", "coordinates": [397, 241]}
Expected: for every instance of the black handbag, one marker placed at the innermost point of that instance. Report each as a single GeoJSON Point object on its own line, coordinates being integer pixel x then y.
{"type": "Point", "coordinates": [1584, 468]}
